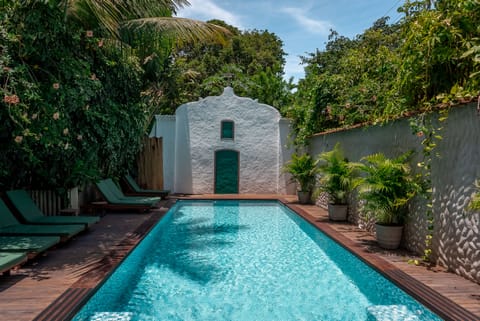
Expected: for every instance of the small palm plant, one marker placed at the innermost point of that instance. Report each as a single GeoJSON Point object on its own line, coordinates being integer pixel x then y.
{"type": "Point", "coordinates": [303, 169]}
{"type": "Point", "coordinates": [475, 202]}
{"type": "Point", "coordinates": [387, 188]}
{"type": "Point", "coordinates": [338, 176]}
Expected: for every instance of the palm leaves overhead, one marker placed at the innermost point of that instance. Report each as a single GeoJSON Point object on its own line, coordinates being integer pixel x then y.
{"type": "Point", "coordinates": [118, 18]}
{"type": "Point", "coordinates": [181, 29]}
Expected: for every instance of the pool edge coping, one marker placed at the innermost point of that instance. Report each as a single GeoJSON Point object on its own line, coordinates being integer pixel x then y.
{"type": "Point", "coordinates": [74, 297]}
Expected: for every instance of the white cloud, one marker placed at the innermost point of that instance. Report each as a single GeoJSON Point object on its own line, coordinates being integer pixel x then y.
{"type": "Point", "coordinates": [311, 25]}
{"type": "Point", "coordinates": [208, 9]}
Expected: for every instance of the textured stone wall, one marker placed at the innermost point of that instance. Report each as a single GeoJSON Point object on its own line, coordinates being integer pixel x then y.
{"type": "Point", "coordinates": [457, 236]}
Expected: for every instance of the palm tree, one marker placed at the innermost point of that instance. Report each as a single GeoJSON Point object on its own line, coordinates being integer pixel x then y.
{"type": "Point", "coordinates": [128, 20]}
{"type": "Point", "coordinates": [145, 29]}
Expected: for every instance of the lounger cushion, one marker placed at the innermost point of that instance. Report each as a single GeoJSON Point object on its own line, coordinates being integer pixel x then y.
{"type": "Point", "coordinates": [119, 194]}
{"type": "Point", "coordinates": [33, 215]}
{"type": "Point", "coordinates": [105, 188]}
{"type": "Point", "coordinates": [9, 225]}
{"type": "Point", "coordinates": [133, 184]}
{"type": "Point", "coordinates": [10, 260]}
{"type": "Point", "coordinates": [40, 230]}
{"type": "Point", "coordinates": [30, 244]}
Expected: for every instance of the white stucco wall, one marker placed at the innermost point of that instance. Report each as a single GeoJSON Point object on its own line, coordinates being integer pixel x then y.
{"type": "Point", "coordinates": [257, 139]}
{"type": "Point", "coordinates": [164, 128]}
{"type": "Point", "coordinates": [183, 163]}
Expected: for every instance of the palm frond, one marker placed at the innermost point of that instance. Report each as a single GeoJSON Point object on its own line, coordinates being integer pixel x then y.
{"type": "Point", "coordinates": [182, 30]}
{"type": "Point", "coordinates": [114, 15]}
{"type": "Point", "coordinates": [338, 176]}
{"type": "Point", "coordinates": [154, 8]}
{"type": "Point", "coordinates": [387, 187]}
{"type": "Point", "coordinates": [97, 14]}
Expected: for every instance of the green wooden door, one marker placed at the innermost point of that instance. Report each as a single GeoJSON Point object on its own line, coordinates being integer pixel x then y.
{"type": "Point", "coordinates": [226, 172]}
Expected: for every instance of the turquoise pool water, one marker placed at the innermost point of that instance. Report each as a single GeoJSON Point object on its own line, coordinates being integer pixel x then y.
{"type": "Point", "coordinates": [238, 260]}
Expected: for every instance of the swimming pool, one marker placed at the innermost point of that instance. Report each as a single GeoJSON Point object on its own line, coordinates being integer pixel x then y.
{"type": "Point", "coordinates": [245, 260]}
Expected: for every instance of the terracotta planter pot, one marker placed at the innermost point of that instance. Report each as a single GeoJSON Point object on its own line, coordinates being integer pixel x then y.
{"type": "Point", "coordinates": [388, 236]}
{"type": "Point", "coordinates": [337, 212]}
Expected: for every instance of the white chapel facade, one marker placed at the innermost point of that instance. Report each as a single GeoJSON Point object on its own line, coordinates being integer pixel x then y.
{"type": "Point", "coordinates": [224, 144]}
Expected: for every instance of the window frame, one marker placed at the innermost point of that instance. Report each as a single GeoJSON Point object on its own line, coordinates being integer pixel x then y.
{"type": "Point", "coordinates": [222, 123]}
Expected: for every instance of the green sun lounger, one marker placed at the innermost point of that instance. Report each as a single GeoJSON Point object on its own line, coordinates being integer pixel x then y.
{"type": "Point", "coordinates": [33, 215]}
{"type": "Point", "coordinates": [11, 260]}
{"type": "Point", "coordinates": [117, 192]}
{"type": "Point", "coordinates": [9, 225]}
{"type": "Point", "coordinates": [137, 190]}
{"type": "Point", "coordinates": [33, 245]}
{"type": "Point", "coordinates": [114, 195]}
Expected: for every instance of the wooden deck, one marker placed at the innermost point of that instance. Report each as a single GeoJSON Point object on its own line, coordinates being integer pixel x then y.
{"type": "Point", "coordinates": [52, 286]}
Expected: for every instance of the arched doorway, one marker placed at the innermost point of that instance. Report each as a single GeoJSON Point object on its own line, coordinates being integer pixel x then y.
{"type": "Point", "coordinates": [226, 171]}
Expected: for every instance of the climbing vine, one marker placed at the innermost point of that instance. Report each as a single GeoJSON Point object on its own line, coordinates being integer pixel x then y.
{"type": "Point", "coordinates": [425, 128]}
{"type": "Point", "coordinates": [475, 202]}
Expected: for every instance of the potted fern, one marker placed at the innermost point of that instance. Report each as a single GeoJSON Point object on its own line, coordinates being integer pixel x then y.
{"type": "Point", "coordinates": [338, 178]}
{"type": "Point", "coordinates": [303, 169]}
{"type": "Point", "coordinates": [386, 190]}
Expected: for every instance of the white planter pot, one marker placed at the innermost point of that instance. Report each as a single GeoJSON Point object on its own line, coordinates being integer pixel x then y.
{"type": "Point", "coordinates": [388, 236]}
{"type": "Point", "coordinates": [337, 212]}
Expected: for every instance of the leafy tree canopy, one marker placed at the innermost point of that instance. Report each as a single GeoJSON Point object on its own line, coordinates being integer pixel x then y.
{"type": "Point", "coordinates": [430, 57]}
{"type": "Point", "coordinates": [250, 61]}
{"type": "Point", "coordinates": [77, 77]}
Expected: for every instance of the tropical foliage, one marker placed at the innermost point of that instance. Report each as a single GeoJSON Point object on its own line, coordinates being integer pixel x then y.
{"type": "Point", "coordinates": [251, 62]}
{"type": "Point", "coordinates": [303, 169]}
{"type": "Point", "coordinates": [430, 57]}
{"type": "Point", "coordinates": [475, 202]}
{"type": "Point", "coordinates": [73, 84]}
{"type": "Point", "coordinates": [338, 177]}
{"type": "Point", "coordinates": [387, 187]}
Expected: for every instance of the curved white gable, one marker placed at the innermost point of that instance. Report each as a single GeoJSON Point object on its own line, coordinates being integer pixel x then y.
{"type": "Point", "coordinates": [259, 135]}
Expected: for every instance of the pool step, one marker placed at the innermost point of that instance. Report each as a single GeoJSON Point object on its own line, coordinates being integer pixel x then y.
{"type": "Point", "coordinates": [390, 313]}
{"type": "Point", "coordinates": [112, 316]}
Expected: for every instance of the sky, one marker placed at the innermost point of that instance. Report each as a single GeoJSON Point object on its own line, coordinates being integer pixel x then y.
{"type": "Point", "coordinates": [302, 25]}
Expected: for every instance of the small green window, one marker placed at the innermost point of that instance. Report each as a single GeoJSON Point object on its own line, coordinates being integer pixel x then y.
{"type": "Point", "coordinates": [227, 129]}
